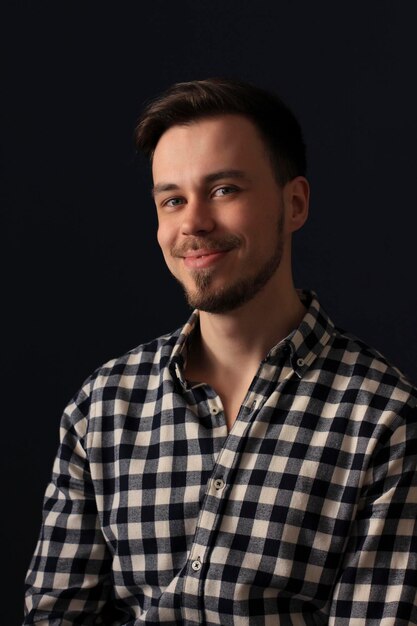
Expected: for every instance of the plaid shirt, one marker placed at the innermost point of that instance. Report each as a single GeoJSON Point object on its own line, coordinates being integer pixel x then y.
{"type": "Point", "coordinates": [304, 513]}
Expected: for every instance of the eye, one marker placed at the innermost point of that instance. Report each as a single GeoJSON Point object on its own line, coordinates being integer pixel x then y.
{"type": "Point", "coordinates": [224, 190]}
{"type": "Point", "coordinates": [172, 203]}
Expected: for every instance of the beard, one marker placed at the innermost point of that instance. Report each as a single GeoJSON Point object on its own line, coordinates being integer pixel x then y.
{"type": "Point", "coordinates": [235, 294]}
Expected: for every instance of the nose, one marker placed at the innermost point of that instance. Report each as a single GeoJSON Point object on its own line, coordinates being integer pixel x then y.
{"type": "Point", "coordinates": [197, 217]}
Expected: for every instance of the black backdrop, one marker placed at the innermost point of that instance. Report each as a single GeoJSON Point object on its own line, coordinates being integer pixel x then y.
{"type": "Point", "coordinates": [84, 280]}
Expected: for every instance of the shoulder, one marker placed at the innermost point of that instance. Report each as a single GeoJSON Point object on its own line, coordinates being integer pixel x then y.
{"type": "Point", "coordinates": [129, 377]}
{"type": "Point", "coordinates": [365, 360]}
{"type": "Point", "coordinates": [146, 359]}
{"type": "Point", "coordinates": [345, 366]}
{"type": "Point", "coordinates": [367, 375]}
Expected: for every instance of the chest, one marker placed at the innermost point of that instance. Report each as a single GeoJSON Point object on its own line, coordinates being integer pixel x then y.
{"type": "Point", "coordinates": [280, 472]}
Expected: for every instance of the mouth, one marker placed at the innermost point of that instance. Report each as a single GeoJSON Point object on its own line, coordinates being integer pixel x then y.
{"type": "Point", "coordinates": [200, 259]}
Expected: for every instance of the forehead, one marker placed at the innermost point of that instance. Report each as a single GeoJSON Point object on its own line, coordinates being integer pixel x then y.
{"type": "Point", "coordinates": [224, 141]}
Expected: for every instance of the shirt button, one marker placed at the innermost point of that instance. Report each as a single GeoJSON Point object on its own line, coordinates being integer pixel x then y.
{"type": "Point", "coordinates": [214, 410]}
{"type": "Point", "coordinates": [218, 484]}
{"type": "Point", "coordinates": [196, 565]}
{"type": "Point", "coordinates": [300, 362]}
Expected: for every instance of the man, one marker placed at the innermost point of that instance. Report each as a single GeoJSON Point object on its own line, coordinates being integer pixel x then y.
{"type": "Point", "coordinates": [257, 466]}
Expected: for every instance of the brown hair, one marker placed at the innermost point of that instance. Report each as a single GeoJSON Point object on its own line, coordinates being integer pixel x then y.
{"type": "Point", "coordinates": [185, 102]}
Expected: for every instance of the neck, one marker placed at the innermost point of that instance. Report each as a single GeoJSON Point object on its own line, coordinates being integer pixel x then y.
{"type": "Point", "coordinates": [227, 352]}
{"type": "Point", "coordinates": [245, 335]}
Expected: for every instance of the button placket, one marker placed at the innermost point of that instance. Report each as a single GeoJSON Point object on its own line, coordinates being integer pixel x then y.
{"type": "Point", "coordinates": [208, 521]}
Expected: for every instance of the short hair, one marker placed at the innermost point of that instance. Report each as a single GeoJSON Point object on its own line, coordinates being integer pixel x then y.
{"type": "Point", "coordinates": [185, 102]}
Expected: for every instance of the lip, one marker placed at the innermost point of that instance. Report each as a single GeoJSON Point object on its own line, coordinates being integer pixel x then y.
{"type": "Point", "coordinates": [196, 259]}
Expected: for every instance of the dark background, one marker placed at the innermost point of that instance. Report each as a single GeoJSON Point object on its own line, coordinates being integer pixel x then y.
{"type": "Point", "coordinates": [83, 278]}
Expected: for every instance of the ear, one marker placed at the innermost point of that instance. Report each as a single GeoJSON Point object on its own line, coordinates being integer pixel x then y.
{"type": "Point", "coordinates": [296, 201]}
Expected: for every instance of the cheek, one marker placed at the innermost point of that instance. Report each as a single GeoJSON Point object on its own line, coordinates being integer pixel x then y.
{"type": "Point", "coordinates": [166, 240]}
{"type": "Point", "coordinates": [163, 236]}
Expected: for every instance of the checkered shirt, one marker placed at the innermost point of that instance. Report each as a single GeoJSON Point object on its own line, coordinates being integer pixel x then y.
{"type": "Point", "coordinates": [304, 513]}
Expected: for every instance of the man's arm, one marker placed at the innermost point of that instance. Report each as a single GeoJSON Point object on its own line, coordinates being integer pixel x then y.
{"type": "Point", "coordinates": [378, 584]}
{"type": "Point", "coordinates": [68, 580]}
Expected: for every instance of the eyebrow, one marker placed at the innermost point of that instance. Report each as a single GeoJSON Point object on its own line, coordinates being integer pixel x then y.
{"type": "Point", "coordinates": [210, 178]}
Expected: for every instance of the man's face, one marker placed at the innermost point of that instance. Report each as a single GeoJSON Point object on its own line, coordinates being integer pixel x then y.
{"type": "Point", "coordinates": [220, 211]}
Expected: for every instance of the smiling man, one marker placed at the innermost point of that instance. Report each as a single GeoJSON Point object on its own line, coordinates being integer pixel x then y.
{"type": "Point", "coordinates": [258, 465]}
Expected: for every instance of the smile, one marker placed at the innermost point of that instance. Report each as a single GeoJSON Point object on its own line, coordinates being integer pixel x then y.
{"type": "Point", "coordinates": [200, 259]}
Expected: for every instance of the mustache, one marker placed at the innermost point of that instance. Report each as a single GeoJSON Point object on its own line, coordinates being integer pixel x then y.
{"type": "Point", "coordinates": [226, 242]}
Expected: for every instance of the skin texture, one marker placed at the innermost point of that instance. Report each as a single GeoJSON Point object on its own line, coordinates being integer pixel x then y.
{"type": "Point", "coordinates": [225, 228]}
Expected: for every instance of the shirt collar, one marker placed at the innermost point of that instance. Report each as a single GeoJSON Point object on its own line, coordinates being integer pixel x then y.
{"type": "Point", "coordinates": [313, 334]}
{"type": "Point", "coordinates": [303, 345]}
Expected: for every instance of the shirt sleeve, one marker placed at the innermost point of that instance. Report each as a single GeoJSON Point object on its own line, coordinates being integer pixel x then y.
{"type": "Point", "coordinates": [68, 581]}
{"type": "Point", "coordinates": [378, 583]}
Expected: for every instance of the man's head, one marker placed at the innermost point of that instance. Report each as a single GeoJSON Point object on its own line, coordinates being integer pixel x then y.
{"type": "Point", "coordinates": [186, 102]}
{"type": "Point", "coordinates": [228, 195]}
